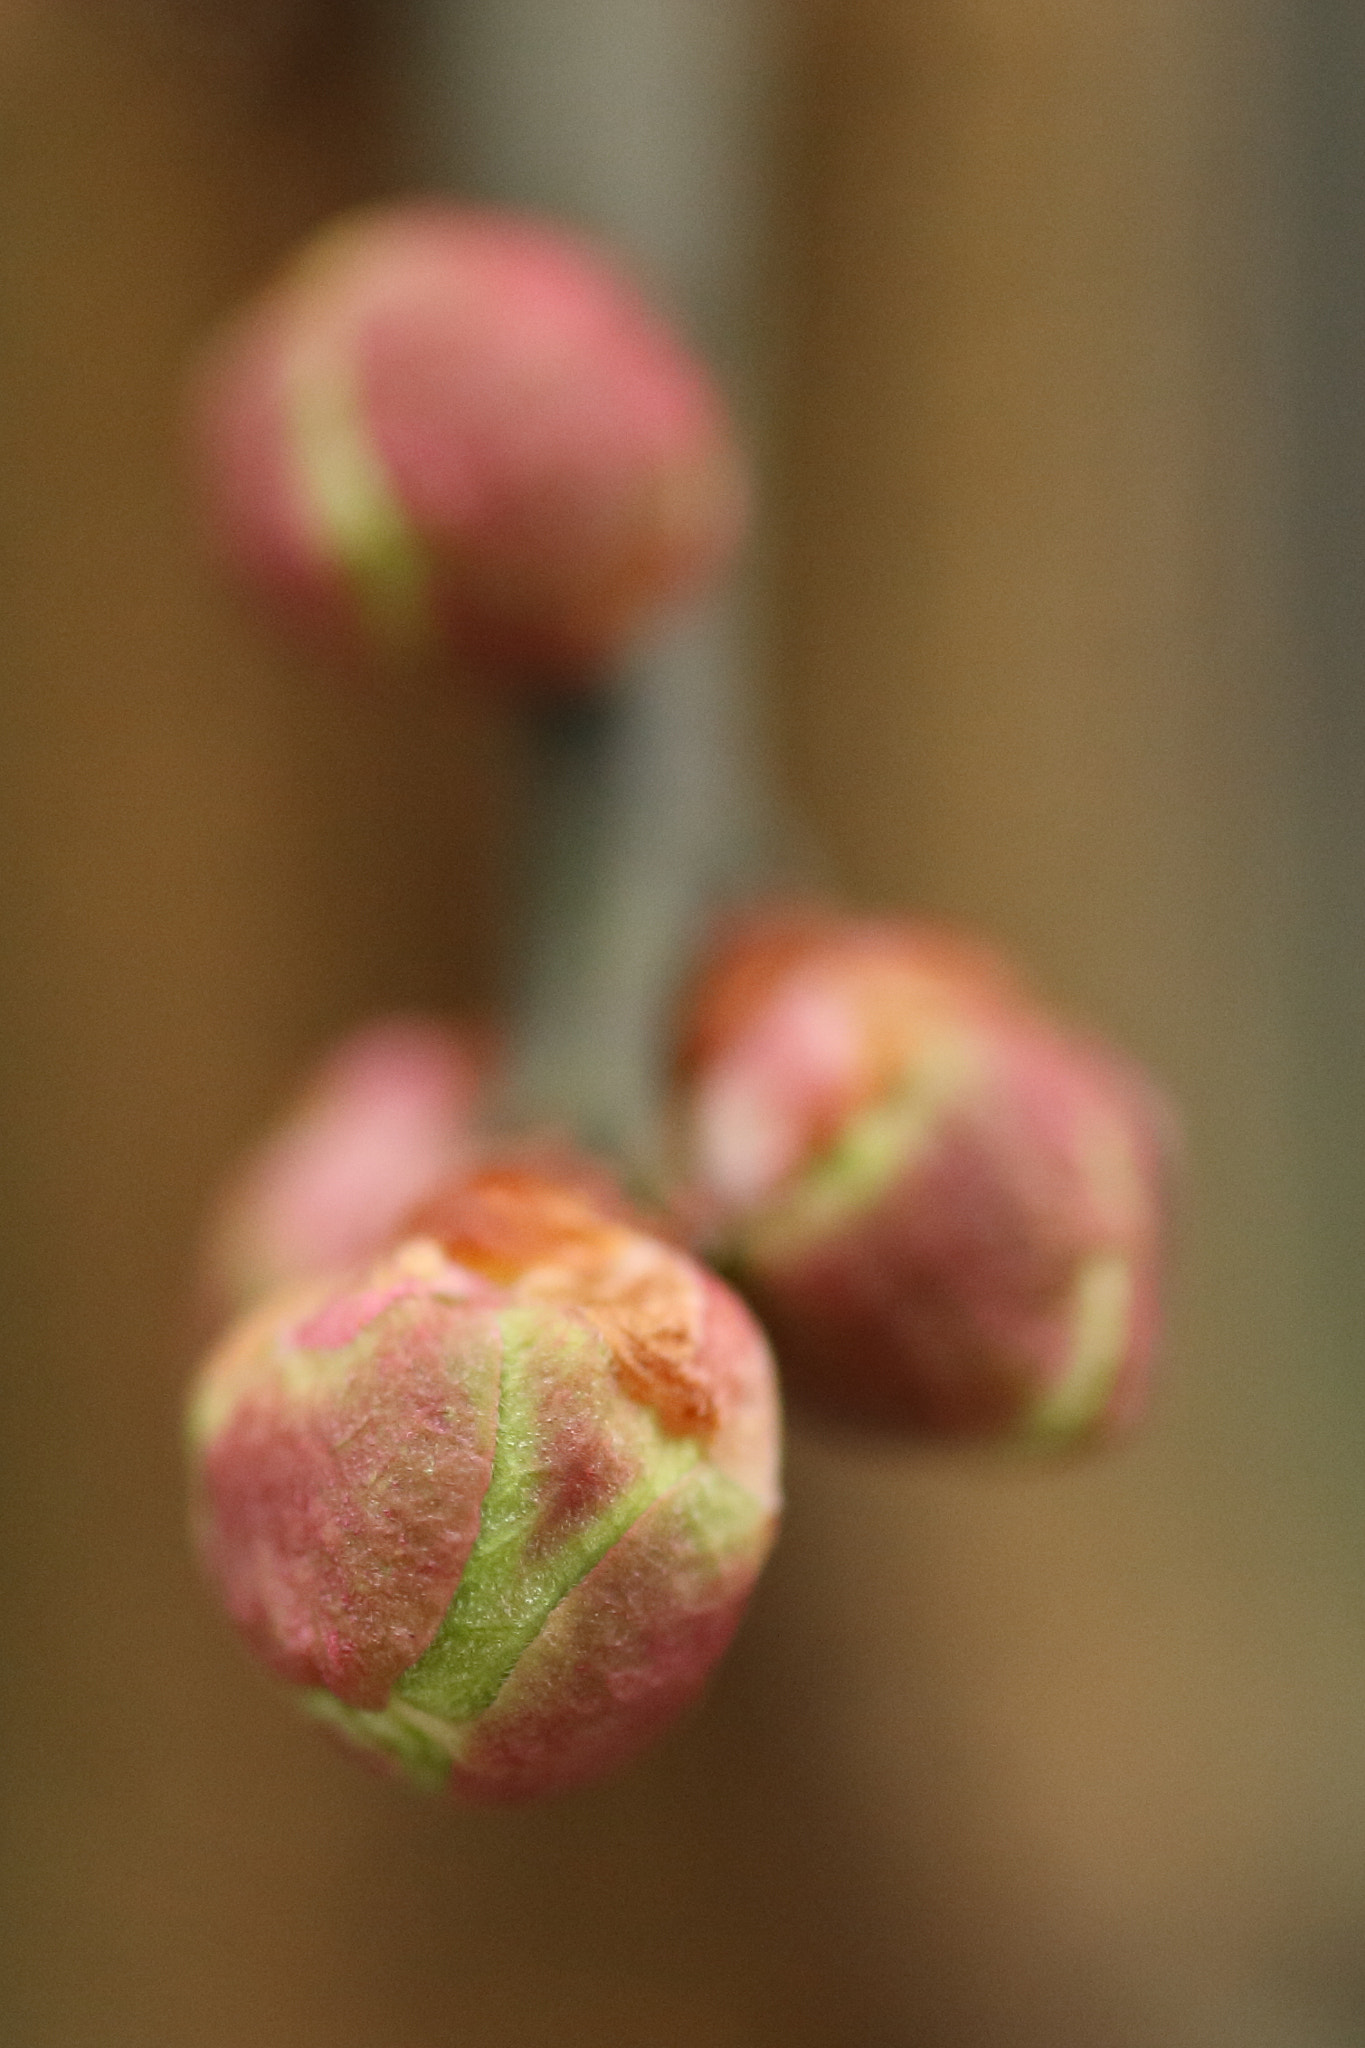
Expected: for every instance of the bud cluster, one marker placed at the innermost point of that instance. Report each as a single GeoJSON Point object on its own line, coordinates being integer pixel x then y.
{"type": "Point", "coordinates": [489, 1466]}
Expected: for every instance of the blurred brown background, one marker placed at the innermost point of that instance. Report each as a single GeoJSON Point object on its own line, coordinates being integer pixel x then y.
{"type": "Point", "coordinates": [1066, 483]}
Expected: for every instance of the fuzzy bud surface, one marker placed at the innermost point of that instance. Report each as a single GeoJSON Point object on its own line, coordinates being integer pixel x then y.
{"type": "Point", "coordinates": [453, 434]}
{"type": "Point", "coordinates": [947, 1210]}
{"type": "Point", "coordinates": [494, 1503]}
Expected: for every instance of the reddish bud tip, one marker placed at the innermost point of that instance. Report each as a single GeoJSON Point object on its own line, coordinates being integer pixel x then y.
{"type": "Point", "coordinates": [947, 1210]}
{"type": "Point", "coordinates": [388, 1113]}
{"type": "Point", "coordinates": [452, 434]}
{"type": "Point", "coordinates": [496, 1501]}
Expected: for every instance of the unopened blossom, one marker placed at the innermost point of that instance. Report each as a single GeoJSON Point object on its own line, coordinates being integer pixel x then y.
{"type": "Point", "coordinates": [447, 434]}
{"type": "Point", "coordinates": [947, 1209]}
{"type": "Point", "coordinates": [494, 1502]}
{"type": "Point", "coordinates": [387, 1114]}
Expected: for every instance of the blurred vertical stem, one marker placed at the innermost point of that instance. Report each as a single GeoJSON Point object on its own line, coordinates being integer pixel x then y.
{"type": "Point", "coordinates": [644, 122]}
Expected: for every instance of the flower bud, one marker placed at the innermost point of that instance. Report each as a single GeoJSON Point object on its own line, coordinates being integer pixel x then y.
{"type": "Point", "coordinates": [946, 1209]}
{"type": "Point", "coordinates": [446, 434]}
{"type": "Point", "coordinates": [495, 1502]}
{"type": "Point", "coordinates": [387, 1115]}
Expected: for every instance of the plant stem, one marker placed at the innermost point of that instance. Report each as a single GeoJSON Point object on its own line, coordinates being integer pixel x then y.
{"type": "Point", "coordinates": [641, 120]}
{"type": "Point", "coordinates": [648, 815]}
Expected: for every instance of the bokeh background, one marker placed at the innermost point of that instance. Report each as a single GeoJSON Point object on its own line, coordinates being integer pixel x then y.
{"type": "Point", "coordinates": [1066, 492]}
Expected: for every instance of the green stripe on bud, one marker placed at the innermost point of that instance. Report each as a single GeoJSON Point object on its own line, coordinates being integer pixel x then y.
{"type": "Point", "coordinates": [357, 523]}
{"type": "Point", "coordinates": [874, 1149]}
{"type": "Point", "coordinates": [1103, 1316]}
{"type": "Point", "coordinates": [507, 1591]}
{"type": "Point", "coordinates": [421, 1746]}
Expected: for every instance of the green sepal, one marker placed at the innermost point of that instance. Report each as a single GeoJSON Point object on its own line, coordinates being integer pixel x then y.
{"type": "Point", "coordinates": [507, 1594]}
{"type": "Point", "coordinates": [417, 1743]}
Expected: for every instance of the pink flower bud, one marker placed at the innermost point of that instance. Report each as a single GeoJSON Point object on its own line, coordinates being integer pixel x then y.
{"type": "Point", "coordinates": [494, 1503]}
{"type": "Point", "coordinates": [388, 1114]}
{"type": "Point", "coordinates": [453, 434]}
{"type": "Point", "coordinates": [947, 1210]}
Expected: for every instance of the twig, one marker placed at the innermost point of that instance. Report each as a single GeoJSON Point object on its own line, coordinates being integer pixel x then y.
{"type": "Point", "coordinates": [639, 119]}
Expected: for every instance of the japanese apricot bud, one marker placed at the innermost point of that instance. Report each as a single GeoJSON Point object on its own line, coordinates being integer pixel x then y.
{"type": "Point", "coordinates": [388, 1114]}
{"type": "Point", "coordinates": [495, 1502]}
{"type": "Point", "coordinates": [946, 1209]}
{"type": "Point", "coordinates": [446, 434]}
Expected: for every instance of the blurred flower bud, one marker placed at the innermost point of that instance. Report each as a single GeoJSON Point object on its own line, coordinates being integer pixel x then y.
{"type": "Point", "coordinates": [455, 434]}
{"type": "Point", "coordinates": [494, 1503]}
{"type": "Point", "coordinates": [947, 1210]}
{"type": "Point", "coordinates": [387, 1115]}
